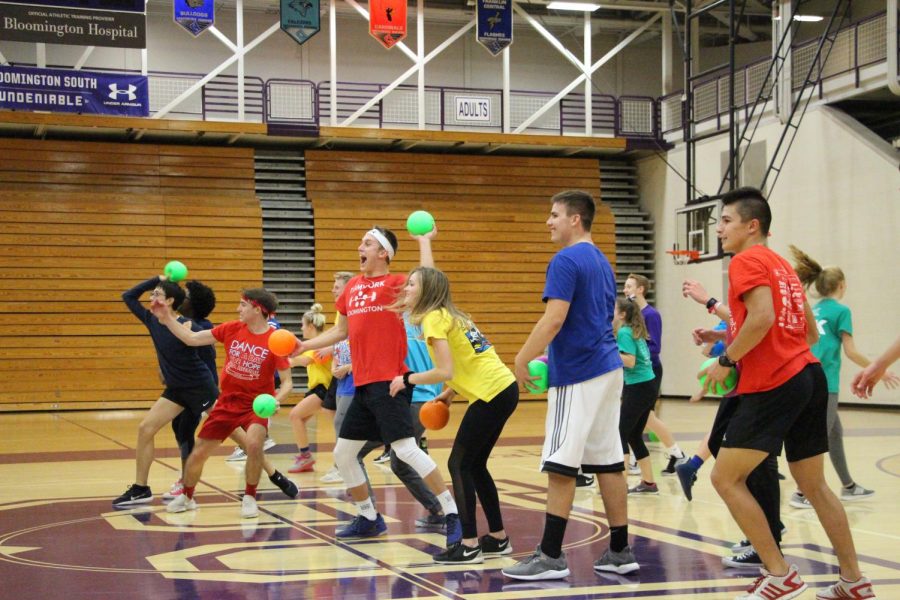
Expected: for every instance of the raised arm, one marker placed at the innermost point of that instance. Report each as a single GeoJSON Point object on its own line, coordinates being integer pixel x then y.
{"type": "Point", "coordinates": [426, 258]}
{"type": "Point", "coordinates": [188, 337]}
{"type": "Point", "coordinates": [327, 338]}
{"type": "Point", "coordinates": [132, 298]}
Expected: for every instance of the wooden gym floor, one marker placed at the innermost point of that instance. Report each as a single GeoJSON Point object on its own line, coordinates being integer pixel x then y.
{"type": "Point", "coordinates": [60, 537]}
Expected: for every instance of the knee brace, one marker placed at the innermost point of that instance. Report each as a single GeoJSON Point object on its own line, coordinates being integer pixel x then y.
{"type": "Point", "coordinates": [345, 452]}
{"type": "Point", "coordinates": [409, 452]}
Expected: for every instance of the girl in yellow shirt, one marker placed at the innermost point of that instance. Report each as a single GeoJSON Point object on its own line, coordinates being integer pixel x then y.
{"type": "Point", "coordinates": [318, 371]}
{"type": "Point", "coordinates": [469, 365]}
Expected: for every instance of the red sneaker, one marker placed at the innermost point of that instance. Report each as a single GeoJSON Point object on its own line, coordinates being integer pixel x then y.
{"type": "Point", "coordinates": [770, 587]}
{"type": "Point", "coordinates": [302, 463]}
{"type": "Point", "coordinates": [861, 589]}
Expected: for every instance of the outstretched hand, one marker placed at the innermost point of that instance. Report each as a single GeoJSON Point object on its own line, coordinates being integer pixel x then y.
{"type": "Point", "coordinates": [707, 336]}
{"type": "Point", "coordinates": [695, 291]}
{"type": "Point", "coordinates": [427, 236]}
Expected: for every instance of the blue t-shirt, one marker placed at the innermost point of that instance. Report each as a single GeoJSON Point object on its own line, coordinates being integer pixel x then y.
{"type": "Point", "coordinates": [345, 386]}
{"type": "Point", "coordinates": [585, 347]}
{"type": "Point", "coordinates": [417, 360]}
{"type": "Point", "coordinates": [719, 347]}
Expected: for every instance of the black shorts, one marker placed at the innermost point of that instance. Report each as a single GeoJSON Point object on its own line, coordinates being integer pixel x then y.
{"type": "Point", "coordinates": [195, 399]}
{"type": "Point", "coordinates": [793, 414]}
{"type": "Point", "coordinates": [329, 402]}
{"type": "Point", "coordinates": [319, 391]}
{"type": "Point", "coordinates": [727, 406]}
{"type": "Point", "coordinates": [376, 415]}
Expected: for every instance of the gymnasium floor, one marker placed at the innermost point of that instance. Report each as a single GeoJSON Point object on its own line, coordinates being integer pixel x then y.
{"type": "Point", "coordinates": [60, 538]}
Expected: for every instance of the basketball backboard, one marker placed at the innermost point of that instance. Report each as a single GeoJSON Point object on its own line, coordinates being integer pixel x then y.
{"type": "Point", "coordinates": [695, 228]}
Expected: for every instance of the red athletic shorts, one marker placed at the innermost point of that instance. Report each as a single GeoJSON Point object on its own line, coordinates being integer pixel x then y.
{"type": "Point", "coordinates": [229, 413]}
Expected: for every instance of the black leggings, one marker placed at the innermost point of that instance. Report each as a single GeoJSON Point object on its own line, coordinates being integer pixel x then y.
{"type": "Point", "coordinates": [479, 431]}
{"type": "Point", "coordinates": [184, 425]}
{"type": "Point", "coordinates": [637, 402]}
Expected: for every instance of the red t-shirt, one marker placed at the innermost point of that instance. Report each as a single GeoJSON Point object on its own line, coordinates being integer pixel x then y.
{"type": "Point", "coordinates": [783, 352]}
{"type": "Point", "coordinates": [249, 364]}
{"type": "Point", "coordinates": [377, 335]}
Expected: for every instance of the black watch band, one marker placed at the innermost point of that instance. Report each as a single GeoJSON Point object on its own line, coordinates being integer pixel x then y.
{"type": "Point", "coordinates": [406, 378]}
{"type": "Point", "coordinates": [725, 361]}
{"type": "Point", "coordinates": [711, 303]}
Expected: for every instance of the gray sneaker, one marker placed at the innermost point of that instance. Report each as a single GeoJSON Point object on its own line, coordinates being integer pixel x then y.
{"type": "Point", "coordinates": [538, 566]}
{"type": "Point", "coordinates": [643, 489]}
{"type": "Point", "coordinates": [622, 562]}
{"type": "Point", "coordinates": [857, 492]}
{"type": "Point", "coordinates": [433, 522]}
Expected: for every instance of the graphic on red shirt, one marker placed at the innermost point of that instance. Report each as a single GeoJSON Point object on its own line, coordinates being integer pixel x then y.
{"type": "Point", "coordinates": [784, 351]}
{"type": "Point", "coordinates": [377, 335]}
{"type": "Point", "coordinates": [249, 364]}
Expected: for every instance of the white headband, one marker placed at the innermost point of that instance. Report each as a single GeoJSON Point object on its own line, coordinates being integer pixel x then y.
{"type": "Point", "coordinates": [383, 241]}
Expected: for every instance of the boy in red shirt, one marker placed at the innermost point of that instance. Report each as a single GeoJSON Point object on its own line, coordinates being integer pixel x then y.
{"type": "Point", "coordinates": [249, 371]}
{"type": "Point", "coordinates": [783, 400]}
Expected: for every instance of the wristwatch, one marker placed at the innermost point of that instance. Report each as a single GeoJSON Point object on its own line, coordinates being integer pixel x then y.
{"type": "Point", "coordinates": [725, 361]}
{"type": "Point", "coordinates": [711, 305]}
{"type": "Point", "coordinates": [406, 379]}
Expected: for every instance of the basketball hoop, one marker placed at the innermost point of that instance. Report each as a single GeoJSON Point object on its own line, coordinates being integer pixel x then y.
{"type": "Point", "coordinates": [683, 257]}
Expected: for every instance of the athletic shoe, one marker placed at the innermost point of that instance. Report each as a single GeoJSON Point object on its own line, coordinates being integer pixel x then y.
{"type": "Point", "coordinates": [633, 468]}
{"type": "Point", "coordinates": [741, 547]}
{"type": "Point", "coordinates": [269, 444]}
{"type": "Point", "coordinates": [674, 461]}
{"type": "Point", "coordinates": [287, 486]}
{"type": "Point", "coordinates": [135, 494]}
{"type": "Point", "coordinates": [177, 489]}
{"type": "Point", "coordinates": [248, 507]}
{"type": "Point", "coordinates": [491, 547]}
{"type": "Point", "coordinates": [385, 457]}
{"type": "Point", "coordinates": [644, 489]}
{"type": "Point", "coordinates": [798, 500]}
{"type": "Point", "coordinates": [237, 456]}
{"type": "Point", "coordinates": [770, 587]}
{"type": "Point", "coordinates": [459, 554]}
{"type": "Point", "coordinates": [687, 476]}
{"type": "Point", "coordinates": [302, 463]}
{"type": "Point", "coordinates": [621, 562]}
{"type": "Point", "coordinates": [454, 529]}
{"type": "Point", "coordinates": [538, 566]}
{"type": "Point", "coordinates": [181, 504]}
{"type": "Point", "coordinates": [745, 560]}
{"type": "Point", "coordinates": [361, 527]}
{"type": "Point", "coordinates": [431, 521]}
{"type": "Point", "coordinates": [847, 590]}
{"type": "Point", "coordinates": [857, 492]}
{"type": "Point", "coordinates": [584, 480]}
{"type": "Point", "coordinates": [332, 476]}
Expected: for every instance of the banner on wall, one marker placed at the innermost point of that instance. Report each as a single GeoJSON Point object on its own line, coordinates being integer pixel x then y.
{"type": "Point", "coordinates": [72, 26]}
{"type": "Point", "coordinates": [196, 16]}
{"type": "Point", "coordinates": [300, 19]}
{"type": "Point", "coordinates": [494, 24]}
{"type": "Point", "coordinates": [60, 90]}
{"type": "Point", "coordinates": [387, 21]}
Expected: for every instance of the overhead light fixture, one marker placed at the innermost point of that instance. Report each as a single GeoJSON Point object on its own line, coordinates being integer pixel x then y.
{"type": "Point", "coordinates": [577, 6]}
{"type": "Point", "coordinates": [803, 18]}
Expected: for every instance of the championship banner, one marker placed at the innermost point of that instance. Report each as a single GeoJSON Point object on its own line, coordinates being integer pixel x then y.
{"type": "Point", "coordinates": [387, 21]}
{"type": "Point", "coordinates": [494, 24]}
{"type": "Point", "coordinates": [59, 90]}
{"type": "Point", "coordinates": [196, 16]}
{"type": "Point", "coordinates": [300, 19]}
{"type": "Point", "coordinates": [72, 26]}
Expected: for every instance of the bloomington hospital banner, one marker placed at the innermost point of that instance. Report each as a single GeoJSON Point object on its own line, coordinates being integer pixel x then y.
{"type": "Point", "coordinates": [59, 90]}
{"type": "Point", "coordinates": [70, 25]}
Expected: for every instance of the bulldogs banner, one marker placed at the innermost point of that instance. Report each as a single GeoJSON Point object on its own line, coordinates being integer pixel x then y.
{"type": "Point", "coordinates": [387, 21]}
{"type": "Point", "coordinates": [495, 24]}
{"type": "Point", "coordinates": [58, 90]}
{"type": "Point", "coordinates": [196, 16]}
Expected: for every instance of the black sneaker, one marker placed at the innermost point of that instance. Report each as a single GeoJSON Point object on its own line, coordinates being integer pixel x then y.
{"type": "Point", "coordinates": [491, 547]}
{"type": "Point", "coordinates": [287, 486]}
{"type": "Point", "coordinates": [135, 494]}
{"type": "Point", "coordinates": [584, 480]}
{"type": "Point", "coordinates": [459, 554]}
{"type": "Point", "coordinates": [674, 461]}
{"type": "Point", "coordinates": [748, 560]}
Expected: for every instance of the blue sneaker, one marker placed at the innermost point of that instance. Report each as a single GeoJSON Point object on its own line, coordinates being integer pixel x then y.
{"type": "Point", "coordinates": [454, 529]}
{"type": "Point", "coordinates": [687, 475]}
{"type": "Point", "coordinates": [361, 527]}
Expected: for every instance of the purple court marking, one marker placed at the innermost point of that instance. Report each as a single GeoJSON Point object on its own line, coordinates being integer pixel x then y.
{"type": "Point", "coordinates": [880, 465]}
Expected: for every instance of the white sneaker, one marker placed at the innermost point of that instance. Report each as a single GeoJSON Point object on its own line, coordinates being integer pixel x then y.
{"type": "Point", "coordinates": [857, 492]}
{"type": "Point", "coordinates": [237, 455]}
{"type": "Point", "coordinates": [332, 476]}
{"type": "Point", "coordinates": [798, 500]}
{"type": "Point", "coordinates": [180, 504]}
{"type": "Point", "coordinates": [248, 507]}
{"type": "Point", "coordinates": [269, 444]}
{"type": "Point", "coordinates": [176, 490]}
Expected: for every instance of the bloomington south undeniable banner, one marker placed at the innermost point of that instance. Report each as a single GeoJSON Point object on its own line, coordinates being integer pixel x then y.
{"type": "Point", "coordinates": [65, 22]}
{"type": "Point", "coordinates": [59, 90]}
{"type": "Point", "coordinates": [387, 21]}
{"type": "Point", "coordinates": [494, 24]}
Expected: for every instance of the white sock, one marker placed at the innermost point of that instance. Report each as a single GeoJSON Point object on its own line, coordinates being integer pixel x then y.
{"type": "Point", "coordinates": [367, 509]}
{"type": "Point", "coordinates": [447, 503]}
{"type": "Point", "coordinates": [676, 451]}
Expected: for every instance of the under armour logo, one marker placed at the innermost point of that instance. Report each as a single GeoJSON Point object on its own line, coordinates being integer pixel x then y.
{"type": "Point", "coordinates": [115, 92]}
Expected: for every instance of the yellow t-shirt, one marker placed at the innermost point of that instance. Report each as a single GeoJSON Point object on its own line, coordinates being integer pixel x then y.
{"type": "Point", "coordinates": [478, 373]}
{"type": "Point", "coordinates": [318, 373]}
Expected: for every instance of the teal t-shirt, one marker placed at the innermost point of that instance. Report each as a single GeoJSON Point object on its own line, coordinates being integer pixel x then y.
{"type": "Point", "coordinates": [642, 370]}
{"type": "Point", "coordinates": [832, 319]}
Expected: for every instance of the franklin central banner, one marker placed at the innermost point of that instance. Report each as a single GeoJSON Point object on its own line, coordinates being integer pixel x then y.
{"type": "Point", "coordinates": [58, 90]}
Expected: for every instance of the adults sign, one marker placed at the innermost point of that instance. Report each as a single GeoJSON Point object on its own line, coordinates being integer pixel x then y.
{"type": "Point", "coordinates": [494, 24]}
{"type": "Point", "coordinates": [59, 90]}
{"type": "Point", "coordinates": [300, 19]}
{"type": "Point", "coordinates": [387, 21]}
{"type": "Point", "coordinates": [473, 109]}
{"type": "Point", "coordinates": [72, 26]}
{"type": "Point", "coordinates": [196, 16]}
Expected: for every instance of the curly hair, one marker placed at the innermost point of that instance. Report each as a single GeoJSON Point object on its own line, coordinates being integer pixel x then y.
{"type": "Point", "coordinates": [201, 298]}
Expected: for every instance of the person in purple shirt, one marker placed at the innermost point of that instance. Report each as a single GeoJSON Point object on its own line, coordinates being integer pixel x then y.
{"type": "Point", "coordinates": [636, 286]}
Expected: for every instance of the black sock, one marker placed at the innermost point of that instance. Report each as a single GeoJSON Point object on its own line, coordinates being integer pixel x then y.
{"type": "Point", "coordinates": [554, 531]}
{"type": "Point", "coordinates": [618, 538]}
